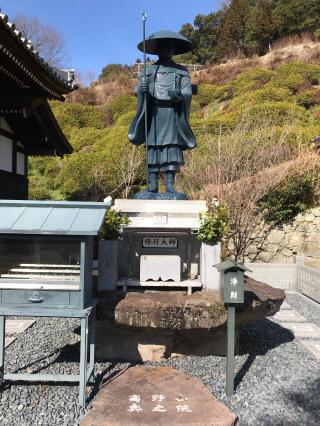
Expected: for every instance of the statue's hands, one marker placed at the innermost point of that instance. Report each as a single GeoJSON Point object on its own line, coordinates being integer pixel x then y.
{"type": "Point", "coordinates": [175, 95]}
{"type": "Point", "coordinates": [144, 86]}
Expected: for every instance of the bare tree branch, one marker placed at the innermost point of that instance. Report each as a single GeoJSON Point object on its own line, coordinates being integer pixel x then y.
{"type": "Point", "coordinates": [45, 39]}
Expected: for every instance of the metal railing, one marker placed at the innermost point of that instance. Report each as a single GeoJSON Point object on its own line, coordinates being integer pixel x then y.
{"type": "Point", "coordinates": [288, 276]}
{"type": "Point", "coordinates": [309, 282]}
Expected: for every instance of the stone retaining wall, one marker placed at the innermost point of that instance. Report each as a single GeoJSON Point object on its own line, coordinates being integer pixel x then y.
{"type": "Point", "coordinates": [302, 238]}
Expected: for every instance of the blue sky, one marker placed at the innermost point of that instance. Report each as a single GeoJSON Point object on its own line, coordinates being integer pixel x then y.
{"type": "Point", "coordinates": [98, 32]}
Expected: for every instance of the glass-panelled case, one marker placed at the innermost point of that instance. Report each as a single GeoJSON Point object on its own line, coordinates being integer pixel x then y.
{"type": "Point", "coordinates": [39, 263]}
{"type": "Point", "coordinates": [44, 270]}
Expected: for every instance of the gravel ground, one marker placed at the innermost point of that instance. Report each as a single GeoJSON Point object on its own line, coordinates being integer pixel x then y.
{"type": "Point", "coordinates": [278, 380]}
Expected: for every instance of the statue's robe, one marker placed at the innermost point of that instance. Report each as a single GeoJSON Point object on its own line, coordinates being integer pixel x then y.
{"type": "Point", "coordinates": [169, 132]}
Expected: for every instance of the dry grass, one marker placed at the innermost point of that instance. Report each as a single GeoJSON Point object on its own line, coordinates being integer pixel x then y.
{"type": "Point", "coordinates": [295, 48]}
{"type": "Point", "coordinates": [239, 168]}
{"type": "Point", "coordinates": [293, 40]}
{"type": "Point", "coordinates": [106, 90]}
{"type": "Point", "coordinates": [102, 91]}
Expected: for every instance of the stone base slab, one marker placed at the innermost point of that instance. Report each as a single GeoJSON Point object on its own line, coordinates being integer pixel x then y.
{"type": "Point", "coordinates": [145, 344]}
{"type": "Point", "coordinates": [14, 327]}
{"type": "Point", "coordinates": [174, 214]}
{"type": "Point", "coordinates": [146, 195]}
{"type": "Point", "coordinates": [285, 305]}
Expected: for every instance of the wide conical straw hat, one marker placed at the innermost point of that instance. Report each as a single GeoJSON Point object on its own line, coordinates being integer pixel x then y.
{"type": "Point", "coordinates": [156, 40]}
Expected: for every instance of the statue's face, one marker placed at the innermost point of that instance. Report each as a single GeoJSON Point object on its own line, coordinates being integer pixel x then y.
{"type": "Point", "coordinates": [167, 49]}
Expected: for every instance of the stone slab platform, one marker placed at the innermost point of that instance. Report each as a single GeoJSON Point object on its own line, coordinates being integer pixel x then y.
{"type": "Point", "coordinates": [14, 327]}
{"type": "Point", "coordinates": [285, 305]}
{"type": "Point", "coordinates": [174, 214]}
{"type": "Point", "coordinates": [157, 396]}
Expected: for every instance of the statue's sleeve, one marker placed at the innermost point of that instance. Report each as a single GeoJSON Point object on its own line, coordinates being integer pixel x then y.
{"type": "Point", "coordinates": [186, 91]}
{"type": "Point", "coordinates": [183, 110]}
{"type": "Point", "coordinates": [136, 129]}
{"type": "Point", "coordinates": [138, 91]}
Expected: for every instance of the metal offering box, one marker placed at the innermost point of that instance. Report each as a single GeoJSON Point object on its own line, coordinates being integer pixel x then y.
{"type": "Point", "coordinates": [46, 256]}
{"type": "Point", "coordinates": [46, 253]}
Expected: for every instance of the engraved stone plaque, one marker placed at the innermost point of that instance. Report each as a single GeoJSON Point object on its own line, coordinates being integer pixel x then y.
{"type": "Point", "coordinates": [158, 241]}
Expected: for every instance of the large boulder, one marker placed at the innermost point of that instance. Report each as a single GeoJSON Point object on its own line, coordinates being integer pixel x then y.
{"type": "Point", "coordinates": [151, 325]}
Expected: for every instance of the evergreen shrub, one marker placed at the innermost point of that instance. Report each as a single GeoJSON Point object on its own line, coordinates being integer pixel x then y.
{"type": "Point", "coordinates": [125, 119]}
{"type": "Point", "coordinates": [288, 199]}
{"type": "Point", "coordinates": [206, 94]}
{"type": "Point", "coordinates": [307, 98]}
{"type": "Point", "coordinates": [214, 226]}
{"type": "Point", "coordinates": [266, 94]}
{"type": "Point", "coordinates": [252, 79]}
{"type": "Point", "coordinates": [121, 105]}
{"type": "Point", "coordinates": [38, 189]}
{"type": "Point", "coordinates": [77, 115]}
{"type": "Point", "coordinates": [113, 225]}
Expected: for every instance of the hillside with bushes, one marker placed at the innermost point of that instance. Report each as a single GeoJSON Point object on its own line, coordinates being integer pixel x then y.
{"type": "Point", "coordinates": [254, 126]}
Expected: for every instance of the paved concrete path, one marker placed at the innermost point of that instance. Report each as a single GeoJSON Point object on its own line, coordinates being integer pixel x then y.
{"type": "Point", "coordinates": [14, 327]}
{"type": "Point", "coordinates": [307, 333]}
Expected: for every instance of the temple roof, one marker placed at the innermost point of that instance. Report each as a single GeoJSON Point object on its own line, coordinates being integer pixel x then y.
{"type": "Point", "coordinates": [27, 82]}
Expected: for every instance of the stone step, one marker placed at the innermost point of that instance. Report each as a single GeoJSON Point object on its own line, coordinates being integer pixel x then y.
{"type": "Point", "coordinates": [312, 346]}
{"type": "Point", "coordinates": [289, 315]}
{"type": "Point", "coordinates": [306, 330]}
{"type": "Point", "coordinates": [14, 327]}
{"type": "Point", "coordinates": [285, 305]}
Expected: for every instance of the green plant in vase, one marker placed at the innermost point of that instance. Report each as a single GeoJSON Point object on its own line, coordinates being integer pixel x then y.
{"type": "Point", "coordinates": [214, 225]}
{"type": "Point", "coordinates": [113, 225]}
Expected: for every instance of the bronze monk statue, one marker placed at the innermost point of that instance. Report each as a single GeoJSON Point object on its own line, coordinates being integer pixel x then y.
{"type": "Point", "coordinates": [168, 91]}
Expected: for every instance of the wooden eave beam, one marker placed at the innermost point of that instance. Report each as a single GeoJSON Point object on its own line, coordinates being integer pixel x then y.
{"type": "Point", "coordinates": [33, 72]}
{"type": "Point", "coordinates": [20, 101]}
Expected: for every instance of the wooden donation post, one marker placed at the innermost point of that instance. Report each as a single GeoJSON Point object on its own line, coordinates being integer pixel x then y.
{"type": "Point", "coordinates": [233, 293]}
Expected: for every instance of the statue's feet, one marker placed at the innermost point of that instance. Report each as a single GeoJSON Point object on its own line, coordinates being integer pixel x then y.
{"type": "Point", "coordinates": [171, 190]}
{"type": "Point", "coordinates": [153, 190]}
{"type": "Point", "coordinates": [153, 185]}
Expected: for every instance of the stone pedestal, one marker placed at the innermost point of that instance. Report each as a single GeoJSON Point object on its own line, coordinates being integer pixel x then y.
{"type": "Point", "coordinates": [152, 325]}
{"type": "Point", "coordinates": [160, 229]}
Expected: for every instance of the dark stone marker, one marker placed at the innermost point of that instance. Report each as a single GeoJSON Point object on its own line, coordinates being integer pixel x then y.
{"type": "Point", "coordinates": [157, 396]}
